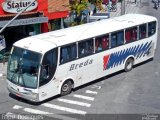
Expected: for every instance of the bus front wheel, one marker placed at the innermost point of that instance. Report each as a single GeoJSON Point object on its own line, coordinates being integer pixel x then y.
{"type": "Point", "coordinates": [129, 64]}
{"type": "Point", "coordinates": [66, 88]}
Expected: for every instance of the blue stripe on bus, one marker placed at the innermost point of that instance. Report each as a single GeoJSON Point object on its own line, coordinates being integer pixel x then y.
{"type": "Point", "coordinates": [119, 57]}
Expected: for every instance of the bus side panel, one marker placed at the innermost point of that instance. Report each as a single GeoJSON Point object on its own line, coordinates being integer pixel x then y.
{"type": "Point", "coordinates": [68, 71]}
{"type": "Point", "coordinates": [113, 60]}
{"type": "Point", "coordinates": [48, 90]}
{"type": "Point", "coordinates": [104, 63]}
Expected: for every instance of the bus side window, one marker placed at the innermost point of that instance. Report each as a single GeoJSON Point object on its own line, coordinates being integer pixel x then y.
{"type": "Point", "coordinates": [120, 38]}
{"type": "Point", "coordinates": [113, 40]}
{"type": "Point", "coordinates": [142, 31]}
{"type": "Point", "coordinates": [105, 42]}
{"type": "Point", "coordinates": [85, 48]}
{"type": "Point", "coordinates": [134, 33]}
{"type": "Point", "coordinates": [102, 43]}
{"type": "Point", "coordinates": [68, 53]}
{"type": "Point", "coordinates": [117, 38]}
{"type": "Point", "coordinates": [151, 28]}
{"type": "Point", "coordinates": [131, 34]}
{"type": "Point", "coordinates": [128, 35]}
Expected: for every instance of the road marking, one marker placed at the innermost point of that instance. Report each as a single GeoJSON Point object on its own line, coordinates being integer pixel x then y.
{"type": "Point", "coordinates": [17, 107]}
{"type": "Point", "coordinates": [74, 102]}
{"type": "Point", "coordinates": [64, 108]}
{"type": "Point", "coordinates": [84, 97]}
{"type": "Point", "coordinates": [91, 92]}
{"type": "Point", "coordinates": [30, 110]}
{"type": "Point", "coordinates": [1, 74]}
{"type": "Point", "coordinates": [35, 111]}
{"type": "Point", "coordinates": [96, 86]}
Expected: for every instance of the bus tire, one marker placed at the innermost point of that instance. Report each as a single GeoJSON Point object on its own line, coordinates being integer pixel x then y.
{"type": "Point", "coordinates": [66, 88]}
{"type": "Point", "coordinates": [129, 64]}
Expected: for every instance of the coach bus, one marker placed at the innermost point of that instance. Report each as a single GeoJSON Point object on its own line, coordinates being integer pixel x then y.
{"type": "Point", "coordinates": [54, 63]}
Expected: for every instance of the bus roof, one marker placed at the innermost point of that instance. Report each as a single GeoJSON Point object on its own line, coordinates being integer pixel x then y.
{"type": "Point", "coordinates": [46, 41]}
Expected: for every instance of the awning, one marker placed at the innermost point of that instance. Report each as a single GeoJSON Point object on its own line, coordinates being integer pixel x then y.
{"type": "Point", "coordinates": [26, 21]}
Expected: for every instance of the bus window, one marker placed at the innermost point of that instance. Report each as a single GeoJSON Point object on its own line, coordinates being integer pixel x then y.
{"type": "Point", "coordinates": [68, 53]}
{"type": "Point", "coordinates": [117, 38]}
{"type": "Point", "coordinates": [102, 43]}
{"type": "Point", "coordinates": [142, 31]}
{"type": "Point", "coordinates": [131, 34]}
{"type": "Point", "coordinates": [85, 48]}
{"type": "Point", "coordinates": [128, 35]}
{"type": "Point", "coordinates": [120, 38]}
{"type": "Point", "coordinates": [134, 33]}
{"type": "Point", "coordinates": [48, 68]}
{"type": "Point", "coordinates": [151, 28]}
{"type": "Point", "coordinates": [113, 40]}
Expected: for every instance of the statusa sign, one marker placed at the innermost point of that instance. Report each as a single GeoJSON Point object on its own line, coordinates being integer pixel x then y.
{"type": "Point", "coordinates": [15, 6]}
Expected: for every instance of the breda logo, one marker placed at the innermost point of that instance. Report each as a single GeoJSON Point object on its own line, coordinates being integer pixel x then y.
{"type": "Point", "coordinates": [15, 6]}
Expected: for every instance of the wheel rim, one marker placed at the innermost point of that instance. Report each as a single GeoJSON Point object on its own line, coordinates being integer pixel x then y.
{"type": "Point", "coordinates": [129, 65]}
{"type": "Point", "coordinates": [65, 87]}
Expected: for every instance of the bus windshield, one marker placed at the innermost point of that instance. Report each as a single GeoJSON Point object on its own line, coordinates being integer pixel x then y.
{"type": "Point", "coordinates": [23, 67]}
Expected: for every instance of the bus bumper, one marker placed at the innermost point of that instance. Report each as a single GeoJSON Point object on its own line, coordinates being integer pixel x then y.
{"type": "Point", "coordinates": [28, 96]}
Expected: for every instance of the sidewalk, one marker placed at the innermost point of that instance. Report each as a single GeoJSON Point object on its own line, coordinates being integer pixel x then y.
{"type": "Point", "coordinates": [3, 69]}
{"type": "Point", "coordinates": [130, 7]}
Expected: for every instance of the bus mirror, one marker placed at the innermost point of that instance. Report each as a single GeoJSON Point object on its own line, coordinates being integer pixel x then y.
{"type": "Point", "coordinates": [45, 72]}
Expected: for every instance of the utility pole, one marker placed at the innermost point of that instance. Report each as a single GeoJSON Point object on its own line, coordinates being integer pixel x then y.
{"type": "Point", "coordinates": [122, 7]}
{"type": "Point", "coordinates": [16, 16]}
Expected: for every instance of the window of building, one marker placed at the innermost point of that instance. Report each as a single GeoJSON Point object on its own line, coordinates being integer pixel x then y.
{"type": "Point", "coordinates": [117, 38]}
{"type": "Point", "coordinates": [131, 34]}
{"type": "Point", "coordinates": [68, 53]}
{"type": "Point", "coordinates": [85, 48]}
{"type": "Point", "coordinates": [102, 43]}
{"type": "Point", "coordinates": [142, 31]}
{"type": "Point", "coordinates": [151, 28]}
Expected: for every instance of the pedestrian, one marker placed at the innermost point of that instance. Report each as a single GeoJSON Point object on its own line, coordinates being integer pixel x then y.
{"type": "Point", "coordinates": [135, 1]}
{"type": "Point", "coordinates": [156, 3]}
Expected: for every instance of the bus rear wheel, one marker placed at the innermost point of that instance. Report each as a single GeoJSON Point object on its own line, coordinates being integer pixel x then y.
{"type": "Point", "coordinates": [66, 88]}
{"type": "Point", "coordinates": [129, 64]}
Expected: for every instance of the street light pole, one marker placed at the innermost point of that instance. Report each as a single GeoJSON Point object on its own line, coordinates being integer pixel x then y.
{"type": "Point", "coordinates": [122, 7]}
{"type": "Point", "coordinates": [16, 16]}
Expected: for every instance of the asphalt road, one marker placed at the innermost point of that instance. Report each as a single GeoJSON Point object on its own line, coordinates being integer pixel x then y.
{"type": "Point", "coordinates": [112, 98]}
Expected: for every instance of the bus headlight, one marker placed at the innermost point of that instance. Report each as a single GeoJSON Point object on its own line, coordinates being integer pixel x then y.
{"type": "Point", "coordinates": [34, 95]}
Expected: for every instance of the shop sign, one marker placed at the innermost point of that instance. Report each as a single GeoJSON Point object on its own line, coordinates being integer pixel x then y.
{"type": "Point", "coordinates": [15, 6]}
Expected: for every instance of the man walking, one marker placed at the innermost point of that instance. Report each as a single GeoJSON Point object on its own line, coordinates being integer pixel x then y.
{"type": "Point", "coordinates": [156, 3]}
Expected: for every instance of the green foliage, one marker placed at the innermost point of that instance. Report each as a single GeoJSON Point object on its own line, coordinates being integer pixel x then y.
{"type": "Point", "coordinates": [77, 6]}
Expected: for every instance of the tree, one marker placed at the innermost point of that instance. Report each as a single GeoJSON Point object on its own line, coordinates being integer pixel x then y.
{"type": "Point", "coordinates": [76, 7]}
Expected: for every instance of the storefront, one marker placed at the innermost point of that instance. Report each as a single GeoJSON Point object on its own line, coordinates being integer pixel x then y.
{"type": "Point", "coordinates": [42, 16]}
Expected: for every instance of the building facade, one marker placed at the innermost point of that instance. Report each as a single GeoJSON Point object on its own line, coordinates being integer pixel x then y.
{"type": "Point", "coordinates": [42, 16]}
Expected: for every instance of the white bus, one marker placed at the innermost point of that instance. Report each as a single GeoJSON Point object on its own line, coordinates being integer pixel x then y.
{"type": "Point", "coordinates": [53, 63]}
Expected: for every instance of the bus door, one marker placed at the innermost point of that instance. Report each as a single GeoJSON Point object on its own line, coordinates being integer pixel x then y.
{"type": "Point", "coordinates": [47, 82]}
